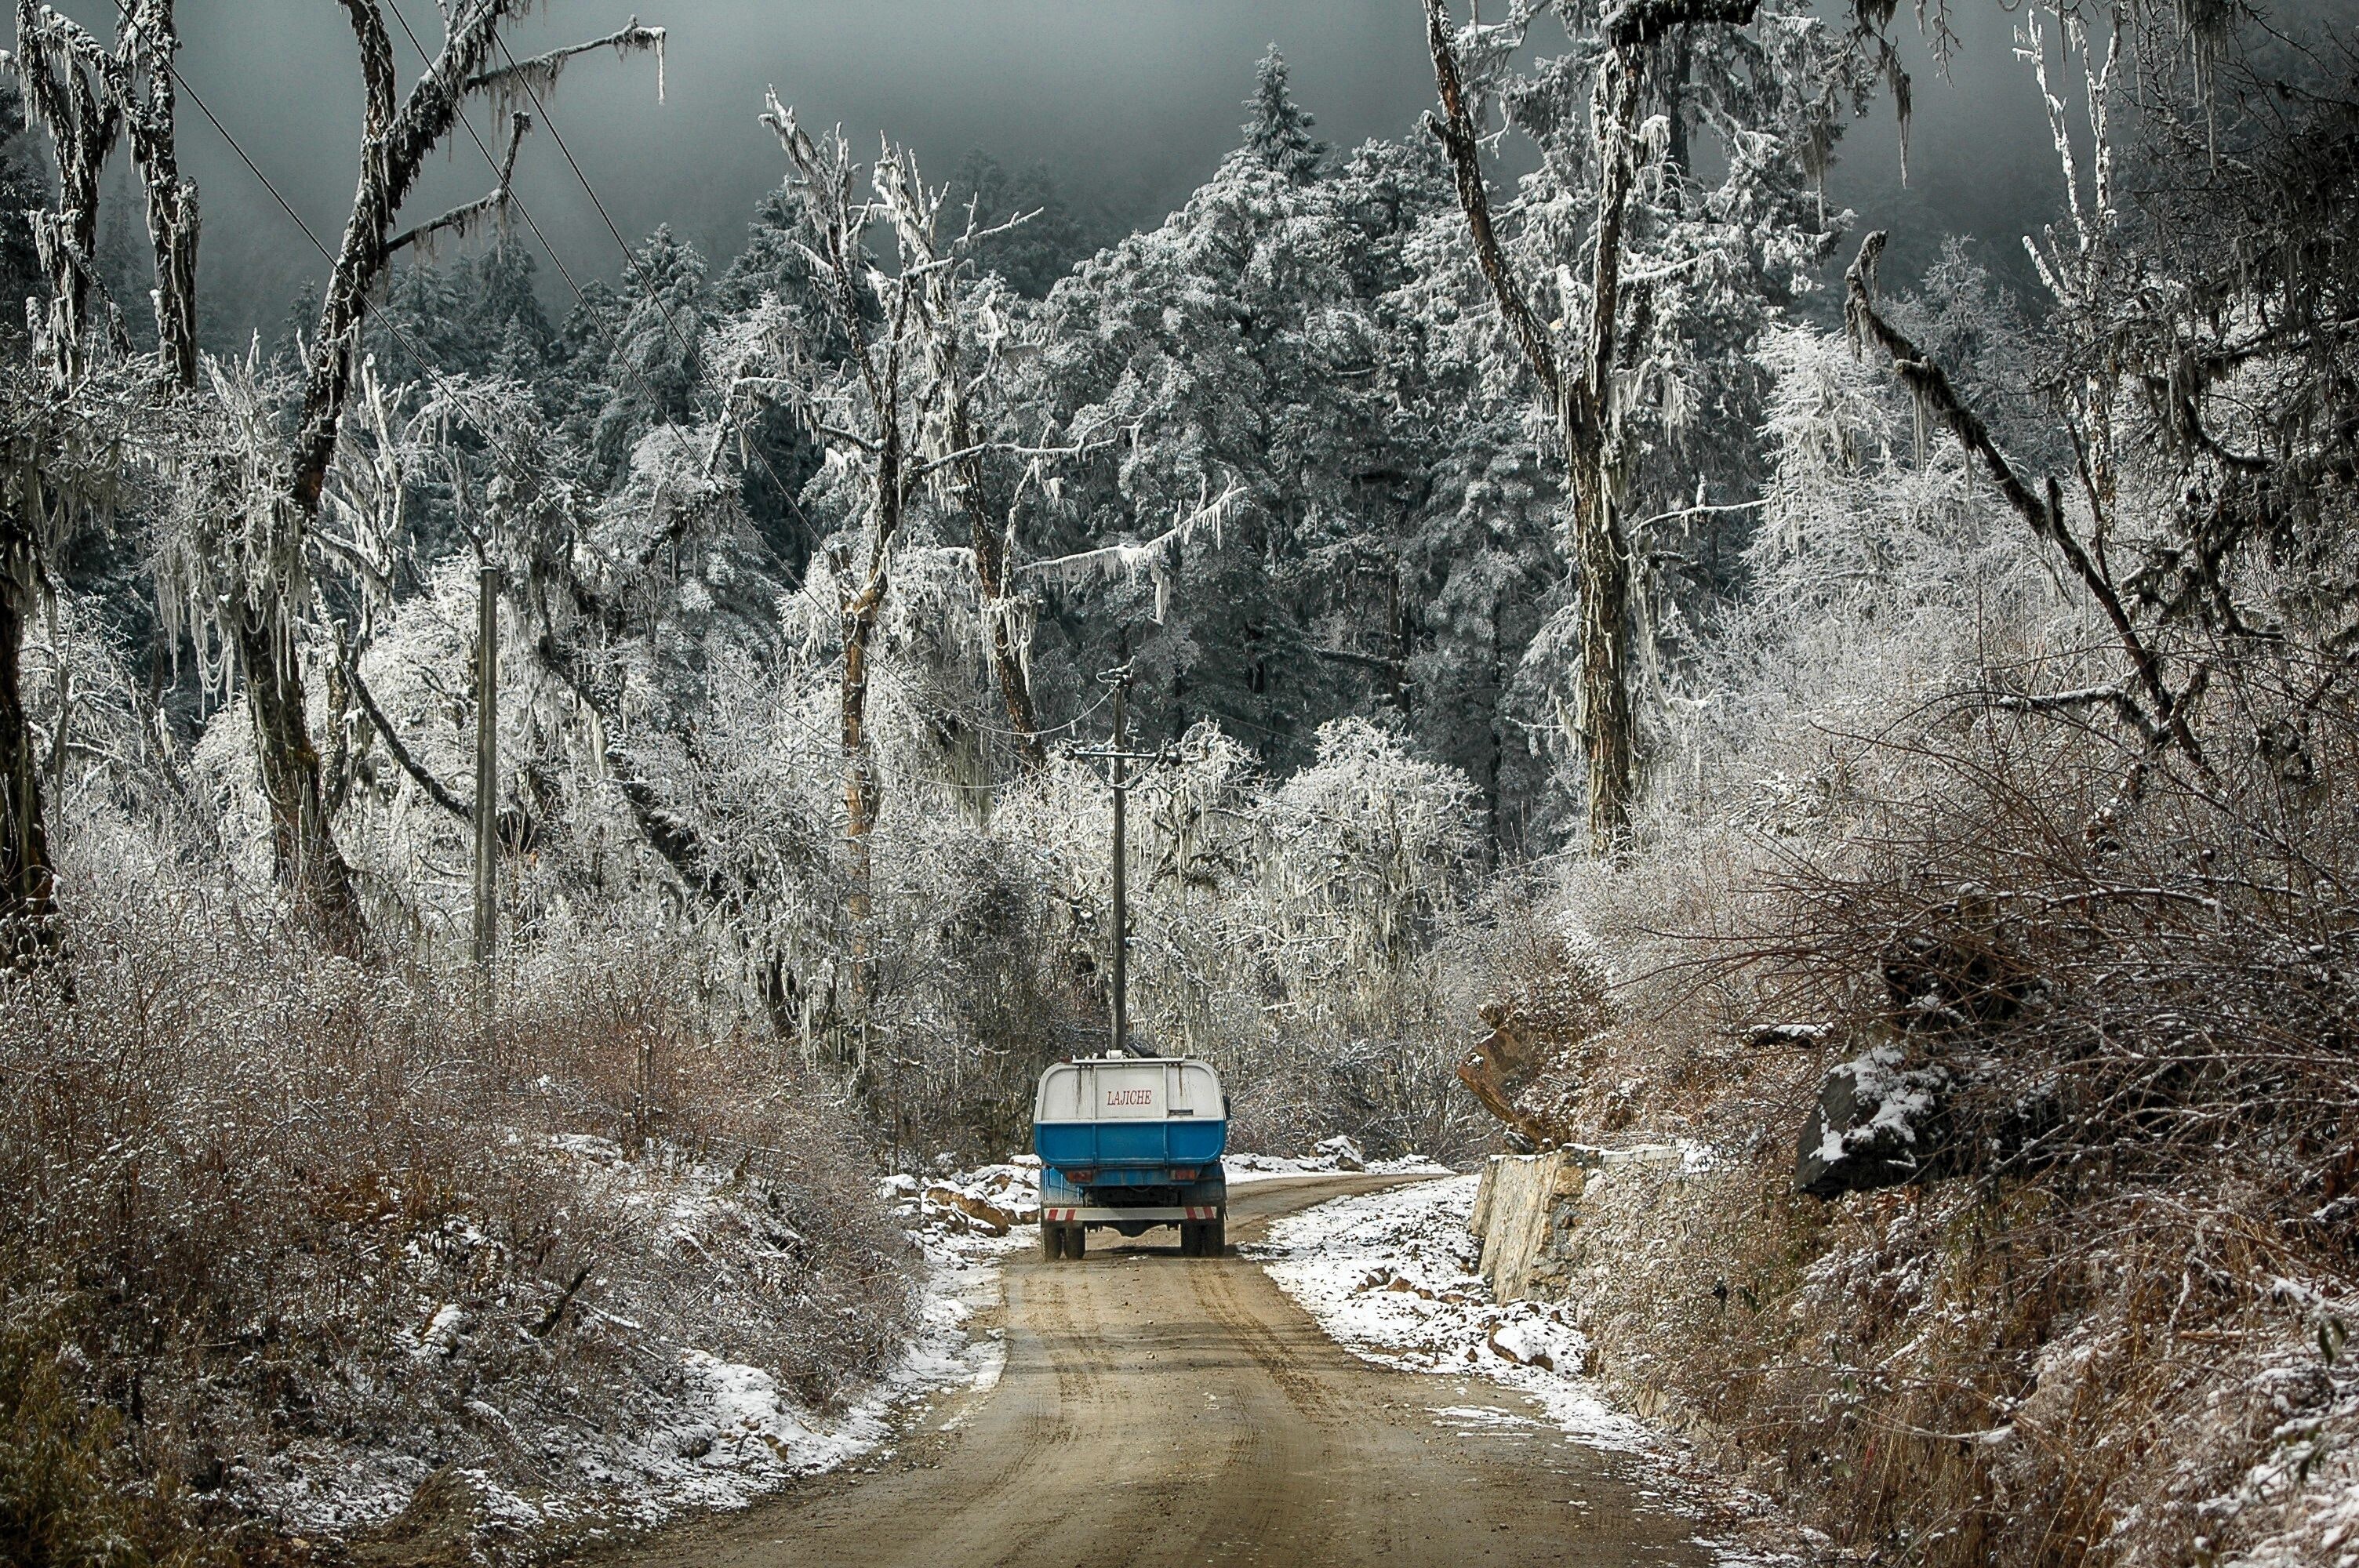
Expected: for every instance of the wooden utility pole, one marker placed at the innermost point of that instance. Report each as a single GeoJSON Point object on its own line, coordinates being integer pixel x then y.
{"type": "Point", "coordinates": [487, 763]}
{"type": "Point", "coordinates": [1119, 757]}
{"type": "Point", "coordinates": [1121, 875]}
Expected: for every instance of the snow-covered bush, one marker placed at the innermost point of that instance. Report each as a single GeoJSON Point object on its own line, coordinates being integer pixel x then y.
{"type": "Point", "coordinates": [314, 1231]}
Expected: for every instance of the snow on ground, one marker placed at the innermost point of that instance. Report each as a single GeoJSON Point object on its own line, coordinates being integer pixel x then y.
{"type": "Point", "coordinates": [719, 1433]}
{"type": "Point", "coordinates": [984, 1202]}
{"type": "Point", "coordinates": [745, 1437]}
{"type": "Point", "coordinates": [1327, 1157]}
{"type": "Point", "coordinates": [1391, 1277]}
{"type": "Point", "coordinates": [736, 1435]}
{"type": "Point", "coordinates": [739, 1435]}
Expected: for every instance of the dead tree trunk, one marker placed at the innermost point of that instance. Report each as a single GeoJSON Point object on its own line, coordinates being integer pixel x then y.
{"type": "Point", "coordinates": [67, 75]}
{"type": "Point", "coordinates": [1581, 392]}
{"type": "Point", "coordinates": [146, 86]}
{"type": "Point", "coordinates": [28, 921]}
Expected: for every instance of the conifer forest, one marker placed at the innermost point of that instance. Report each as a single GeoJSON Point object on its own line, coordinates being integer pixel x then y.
{"type": "Point", "coordinates": [1757, 809]}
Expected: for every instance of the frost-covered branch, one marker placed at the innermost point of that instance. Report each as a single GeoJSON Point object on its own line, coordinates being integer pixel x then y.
{"type": "Point", "coordinates": [1930, 385]}
{"type": "Point", "coordinates": [536, 77]}
{"type": "Point", "coordinates": [461, 222]}
{"type": "Point", "coordinates": [435, 789]}
{"type": "Point", "coordinates": [1155, 557]}
{"type": "Point", "coordinates": [1462, 139]}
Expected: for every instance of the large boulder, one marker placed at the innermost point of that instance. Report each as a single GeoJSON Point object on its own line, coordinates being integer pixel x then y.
{"type": "Point", "coordinates": [1877, 1124]}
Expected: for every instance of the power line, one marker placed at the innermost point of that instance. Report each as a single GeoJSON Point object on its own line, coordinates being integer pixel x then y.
{"type": "Point", "coordinates": [631, 261]}
{"type": "Point", "coordinates": [522, 212]}
{"type": "Point", "coordinates": [557, 135]}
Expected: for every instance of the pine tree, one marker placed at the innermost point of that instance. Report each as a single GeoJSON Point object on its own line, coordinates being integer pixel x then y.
{"type": "Point", "coordinates": [656, 361]}
{"type": "Point", "coordinates": [1279, 132]}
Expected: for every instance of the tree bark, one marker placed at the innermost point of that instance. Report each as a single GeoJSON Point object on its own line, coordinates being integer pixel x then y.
{"type": "Point", "coordinates": [1600, 547]}
{"type": "Point", "coordinates": [311, 866]}
{"type": "Point", "coordinates": [28, 920]}
{"type": "Point", "coordinates": [150, 40]}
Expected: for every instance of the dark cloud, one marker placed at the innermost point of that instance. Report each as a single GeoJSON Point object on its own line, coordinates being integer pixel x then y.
{"type": "Point", "coordinates": [1131, 103]}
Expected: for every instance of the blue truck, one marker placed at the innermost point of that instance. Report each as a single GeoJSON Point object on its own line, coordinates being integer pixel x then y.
{"type": "Point", "coordinates": [1128, 1143]}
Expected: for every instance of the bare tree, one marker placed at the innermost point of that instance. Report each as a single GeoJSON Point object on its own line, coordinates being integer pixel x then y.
{"type": "Point", "coordinates": [1579, 382]}
{"type": "Point", "coordinates": [883, 401]}
{"type": "Point", "coordinates": [399, 132]}
{"type": "Point", "coordinates": [906, 417]}
{"type": "Point", "coordinates": [69, 87]}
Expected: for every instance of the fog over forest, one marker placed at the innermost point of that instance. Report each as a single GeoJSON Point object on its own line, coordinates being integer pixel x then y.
{"type": "Point", "coordinates": [1129, 104]}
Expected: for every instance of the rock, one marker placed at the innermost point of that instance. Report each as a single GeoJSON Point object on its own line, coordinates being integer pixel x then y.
{"type": "Point", "coordinates": [1876, 1125]}
{"type": "Point", "coordinates": [990, 1217]}
{"type": "Point", "coordinates": [1499, 1069]}
{"type": "Point", "coordinates": [1346, 1154]}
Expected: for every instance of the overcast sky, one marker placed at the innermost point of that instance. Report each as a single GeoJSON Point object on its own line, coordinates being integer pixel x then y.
{"type": "Point", "coordinates": [1130, 101]}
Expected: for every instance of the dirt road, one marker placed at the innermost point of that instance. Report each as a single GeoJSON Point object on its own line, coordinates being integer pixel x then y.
{"type": "Point", "coordinates": [1158, 1410]}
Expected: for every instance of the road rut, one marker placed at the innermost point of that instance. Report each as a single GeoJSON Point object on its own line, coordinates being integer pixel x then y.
{"type": "Point", "coordinates": [1159, 1410]}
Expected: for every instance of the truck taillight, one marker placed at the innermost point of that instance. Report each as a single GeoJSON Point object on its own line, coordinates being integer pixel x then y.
{"type": "Point", "coordinates": [1184, 1173]}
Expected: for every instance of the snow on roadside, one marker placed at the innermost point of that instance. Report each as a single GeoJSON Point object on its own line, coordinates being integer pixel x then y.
{"type": "Point", "coordinates": [761, 1438]}
{"type": "Point", "coordinates": [740, 1435]}
{"type": "Point", "coordinates": [715, 1435]}
{"type": "Point", "coordinates": [1328, 1156]}
{"type": "Point", "coordinates": [987, 1202]}
{"type": "Point", "coordinates": [1390, 1276]}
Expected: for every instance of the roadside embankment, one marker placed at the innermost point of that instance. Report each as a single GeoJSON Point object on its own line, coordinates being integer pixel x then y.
{"type": "Point", "coordinates": [1925, 1371]}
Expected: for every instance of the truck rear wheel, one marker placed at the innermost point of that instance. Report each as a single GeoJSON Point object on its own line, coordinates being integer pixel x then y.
{"type": "Point", "coordinates": [1077, 1246]}
{"type": "Point", "coordinates": [1052, 1241]}
{"type": "Point", "coordinates": [1191, 1243]}
{"type": "Point", "coordinates": [1215, 1238]}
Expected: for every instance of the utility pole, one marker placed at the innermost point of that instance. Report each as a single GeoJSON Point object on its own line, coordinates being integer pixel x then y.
{"type": "Point", "coordinates": [487, 764]}
{"type": "Point", "coordinates": [1121, 874]}
{"type": "Point", "coordinates": [1119, 757]}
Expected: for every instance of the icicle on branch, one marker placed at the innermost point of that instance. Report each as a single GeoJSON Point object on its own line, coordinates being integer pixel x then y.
{"type": "Point", "coordinates": [537, 77]}
{"type": "Point", "coordinates": [1156, 556]}
{"type": "Point", "coordinates": [461, 222]}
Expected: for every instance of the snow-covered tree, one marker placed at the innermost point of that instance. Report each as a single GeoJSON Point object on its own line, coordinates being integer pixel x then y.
{"type": "Point", "coordinates": [1636, 279]}
{"type": "Point", "coordinates": [1278, 133]}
